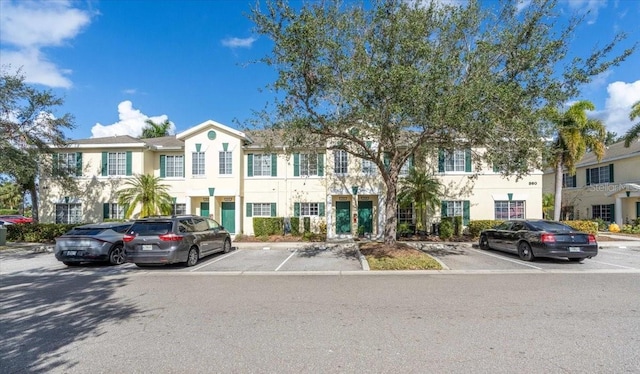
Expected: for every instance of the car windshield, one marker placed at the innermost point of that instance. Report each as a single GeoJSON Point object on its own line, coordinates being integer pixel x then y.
{"type": "Point", "coordinates": [551, 226]}
{"type": "Point", "coordinates": [150, 228]}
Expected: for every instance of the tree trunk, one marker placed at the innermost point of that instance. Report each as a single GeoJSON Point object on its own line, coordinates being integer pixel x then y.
{"type": "Point", "coordinates": [34, 204]}
{"type": "Point", "coordinates": [557, 201]}
{"type": "Point", "coordinates": [391, 207]}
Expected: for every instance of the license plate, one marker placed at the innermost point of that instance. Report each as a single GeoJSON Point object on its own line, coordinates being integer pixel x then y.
{"type": "Point", "coordinates": [574, 249]}
{"type": "Point", "coordinates": [71, 253]}
{"type": "Point", "coordinates": [147, 247]}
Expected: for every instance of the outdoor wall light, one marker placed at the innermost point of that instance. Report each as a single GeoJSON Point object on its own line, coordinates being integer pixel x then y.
{"type": "Point", "coordinates": [354, 189]}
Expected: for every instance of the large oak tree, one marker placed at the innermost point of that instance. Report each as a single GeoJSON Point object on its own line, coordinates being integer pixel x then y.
{"type": "Point", "coordinates": [450, 76]}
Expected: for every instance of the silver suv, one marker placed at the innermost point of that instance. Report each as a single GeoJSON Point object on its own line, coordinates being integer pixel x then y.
{"type": "Point", "coordinates": [170, 239]}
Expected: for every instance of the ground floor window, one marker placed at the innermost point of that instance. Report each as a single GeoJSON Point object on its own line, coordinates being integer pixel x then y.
{"type": "Point", "coordinates": [114, 211]}
{"type": "Point", "coordinates": [405, 214]}
{"type": "Point", "coordinates": [261, 209]}
{"type": "Point", "coordinates": [68, 213]}
{"type": "Point", "coordinates": [179, 209]}
{"type": "Point", "coordinates": [603, 212]}
{"type": "Point", "coordinates": [309, 209]}
{"type": "Point", "coordinates": [509, 209]}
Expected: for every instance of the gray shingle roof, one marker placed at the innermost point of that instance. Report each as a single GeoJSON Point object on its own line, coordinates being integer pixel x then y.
{"type": "Point", "coordinates": [613, 152]}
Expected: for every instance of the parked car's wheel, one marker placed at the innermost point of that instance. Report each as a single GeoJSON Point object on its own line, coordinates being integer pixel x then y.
{"type": "Point", "coordinates": [227, 246]}
{"type": "Point", "coordinates": [576, 259]}
{"type": "Point", "coordinates": [484, 242]}
{"type": "Point", "coordinates": [116, 255]}
{"type": "Point", "coordinates": [192, 258]}
{"type": "Point", "coordinates": [524, 251]}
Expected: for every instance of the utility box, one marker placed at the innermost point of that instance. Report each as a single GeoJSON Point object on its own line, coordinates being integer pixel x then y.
{"type": "Point", "coordinates": [3, 235]}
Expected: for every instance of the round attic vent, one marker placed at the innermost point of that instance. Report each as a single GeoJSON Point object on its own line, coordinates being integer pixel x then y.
{"type": "Point", "coordinates": [211, 134]}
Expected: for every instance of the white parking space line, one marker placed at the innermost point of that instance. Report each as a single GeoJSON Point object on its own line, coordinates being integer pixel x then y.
{"type": "Point", "coordinates": [214, 261]}
{"type": "Point", "coordinates": [606, 263]}
{"type": "Point", "coordinates": [285, 261]}
{"type": "Point", "coordinates": [506, 259]}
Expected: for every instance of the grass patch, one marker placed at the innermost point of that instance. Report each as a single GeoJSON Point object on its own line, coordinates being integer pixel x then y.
{"type": "Point", "coordinates": [398, 257]}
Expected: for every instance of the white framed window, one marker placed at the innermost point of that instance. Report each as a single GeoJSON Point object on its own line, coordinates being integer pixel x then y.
{"type": "Point", "coordinates": [116, 211]}
{"type": "Point", "coordinates": [178, 209]}
{"type": "Point", "coordinates": [602, 174]}
{"type": "Point", "coordinates": [405, 214]}
{"type": "Point", "coordinates": [454, 209]}
{"type": "Point", "coordinates": [509, 209]}
{"type": "Point", "coordinates": [309, 209]}
{"type": "Point", "coordinates": [340, 161]}
{"type": "Point", "coordinates": [174, 166]}
{"type": "Point", "coordinates": [568, 180]}
{"type": "Point", "coordinates": [68, 213]}
{"type": "Point", "coordinates": [308, 164]}
{"type": "Point", "coordinates": [262, 165]}
{"type": "Point", "coordinates": [225, 163]}
{"type": "Point", "coordinates": [198, 163]}
{"type": "Point", "coordinates": [454, 161]}
{"type": "Point", "coordinates": [603, 212]}
{"type": "Point", "coordinates": [368, 167]}
{"type": "Point", "coordinates": [404, 170]}
{"type": "Point", "coordinates": [117, 163]}
{"type": "Point", "coordinates": [261, 209]}
{"type": "Point", "coordinates": [67, 163]}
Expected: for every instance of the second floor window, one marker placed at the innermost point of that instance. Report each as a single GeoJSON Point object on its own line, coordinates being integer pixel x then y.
{"type": "Point", "coordinates": [262, 165]}
{"type": "Point", "coordinates": [568, 180]}
{"type": "Point", "coordinates": [602, 174]}
{"type": "Point", "coordinates": [225, 163]}
{"type": "Point", "coordinates": [117, 163]}
{"type": "Point", "coordinates": [174, 166]}
{"type": "Point", "coordinates": [340, 162]}
{"type": "Point", "coordinates": [454, 161]}
{"type": "Point", "coordinates": [197, 163]}
{"type": "Point", "coordinates": [368, 167]}
{"type": "Point", "coordinates": [68, 164]}
{"type": "Point", "coordinates": [308, 164]}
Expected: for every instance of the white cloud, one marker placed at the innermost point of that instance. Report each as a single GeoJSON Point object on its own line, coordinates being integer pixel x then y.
{"type": "Point", "coordinates": [621, 96]}
{"type": "Point", "coordinates": [591, 6]}
{"type": "Point", "coordinates": [238, 42]}
{"type": "Point", "coordinates": [131, 122]}
{"type": "Point", "coordinates": [28, 26]}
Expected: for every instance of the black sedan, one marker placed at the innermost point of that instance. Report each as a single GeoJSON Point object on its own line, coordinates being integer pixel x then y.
{"type": "Point", "coordinates": [97, 242]}
{"type": "Point", "coordinates": [540, 238]}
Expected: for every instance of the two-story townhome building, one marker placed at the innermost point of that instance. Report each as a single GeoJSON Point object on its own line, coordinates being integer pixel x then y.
{"type": "Point", "coordinates": [234, 176]}
{"type": "Point", "coordinates": [608, 189]}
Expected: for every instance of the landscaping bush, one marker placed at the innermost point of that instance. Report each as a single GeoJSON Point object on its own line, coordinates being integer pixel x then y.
{"type": "Point", "coordinates": [446, 228]}
{"type": "Point", "coordinates": [591, 227]}
{"type": "Point", "coordinates": [602, 225]}
{"type": "Point", "coordinates": [475, 227]}
{"type": "Point", "coordinates": [630, 229]}
{"type": "Point", "coordinates": [614, 227]}
{"type": "Point", "coordinates": [265, 226]}
{"type": "Point", "coordinates": [306, 222]}
{"type": "Point", "coordinates": [403, 229]}
{"type": "Point", "coordinates": [37, 232]}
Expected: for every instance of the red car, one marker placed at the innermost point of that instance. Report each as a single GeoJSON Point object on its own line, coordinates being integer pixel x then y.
{"type": "Point", "coordinates": [14, 218]}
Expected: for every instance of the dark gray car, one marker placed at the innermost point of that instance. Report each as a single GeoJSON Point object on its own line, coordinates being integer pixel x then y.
{"type": "Point", "coordinates": [96, 242]}
{"type": "Point", "coordinates": [540, 238]}
{"type": "Point", "coordinates": [167, 240]}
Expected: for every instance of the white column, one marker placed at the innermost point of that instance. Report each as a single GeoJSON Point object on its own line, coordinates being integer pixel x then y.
{"type": "Point", "coordinates": [329, 214]}
{"type": "Point", "coordinates": [238, 214]}
{"type": "Point", "coordinates": [618, 211]}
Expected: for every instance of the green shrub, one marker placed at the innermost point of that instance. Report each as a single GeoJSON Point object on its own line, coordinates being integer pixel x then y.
{"type": "Point", "coordinates": [629, 229]}
{"type": "Point", "coordinates": [265, 226]}
{"type": "Point", "coordinates": [403, 229]}
{"type": "Point", "coordinates": [475, 227]}
{"type": "Point", "coordinates": [446, 228]}
{"type": "Point", "coordinates": [295, 226]}
{"type": "Point", "coordinates": [37, 232]}
{"type": "Point", "coordinates": [306, 221]}
{"type": "Point", "coordinates": [602, 225]}
{"type": "Point", "coordinates": [591, 227]}
{"type": "Point", "coordinates": [457, 225]}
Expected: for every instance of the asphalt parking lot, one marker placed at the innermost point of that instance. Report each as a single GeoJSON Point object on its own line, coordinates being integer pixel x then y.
{"type": "Point", "coordinates": [337, 258]}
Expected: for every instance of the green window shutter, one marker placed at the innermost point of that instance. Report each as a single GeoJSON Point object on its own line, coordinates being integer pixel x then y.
{"type": "Point", "coordinates": [466, 212]}
{"type": "Point", "coordinates": [368, 144]}
{"type": "Point", "coordinates": [78, 164]}
{"type": "Point", "coordinates": [443, 209]}
{"type": "Point", "coordinates": [588, 177]}
{"type": "Point", "coordinates": [440, 161]}
{"type": "Point", "coordinates": [296, 209]}
{"type": "Point", "coordinates": [411, 161]}
{"type": "Point", "coordinates": [321, 209]}
{"type": "Point", "coordinates": [105, 164]}
{"type": "Point", "coordinates": [250, 165]}
{"type": "Point", "coordinates": [249, 211]}
{"type": "Point", "coordinates": [274, 165]}
{"type": "Point", "coordinates": [296, 164]}
{"type": "Point", "coordinates": [574, 179]}
{"type": "Point", "coordinates": [55, 167]}
{"type": "Point", "coordinates": [320, 164]}
{"type": "Point", "coordinates": [273, 209]}
{"type": "Point", "coordinates": [129, 167]}
{"type": "Point", "coordinates": [467, 160]}
{"type": "Point", "coordinates": [105, 210]}
{"type": "Point", "coordinates": [638, 209]}
{"type": "Point", "coordinates": [610, 173]}
{"type": "Point", "coordinates": [163, 165]}
{"type": "Point", "coordinates": [612, 208]}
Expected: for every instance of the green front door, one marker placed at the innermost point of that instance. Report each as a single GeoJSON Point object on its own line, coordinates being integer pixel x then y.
{"type": "Point", "coordinates": [365, 216]}
{"type": "Point", "coordinates": [204, 209]}
{"type": "Point", "coordinates": [638, 210]}
{"type": "Point", "coordinates": [343, 217]}
{"type": "Point", "coordinates": [229, 217]}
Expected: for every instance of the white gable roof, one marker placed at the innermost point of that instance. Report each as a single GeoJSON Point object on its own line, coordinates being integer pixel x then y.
{"type": "Point", "coordinates": [210, 123]}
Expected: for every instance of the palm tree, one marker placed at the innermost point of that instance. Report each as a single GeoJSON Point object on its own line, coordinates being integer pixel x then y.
{"type": "Point", "coordinates": [575, 133]}
{"type": "Point", "coordinates": [634, 131]}
{"type": "Point", "coordinates": [10, 195]}
{"type": "Point", "coordinates": [156, 130]}
{"type": "Point", "coordinates": [146, 190]}
{"type": "Point", "coordinates": [422, 189]}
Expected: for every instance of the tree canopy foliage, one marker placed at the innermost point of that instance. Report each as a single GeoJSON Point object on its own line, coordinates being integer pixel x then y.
{"type": "Point", "coordinates": [411, 75]}
{"type": "Point", "coordinates": [148, 192]}
{"type": "Point", "coordinates": [634, 131]}
{"type": "Point", "coordinates": [28, 126]}
{"type": "Point", "coordinates": [156, 130]}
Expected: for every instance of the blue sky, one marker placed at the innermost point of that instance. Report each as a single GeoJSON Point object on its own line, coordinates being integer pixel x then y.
{"type": "Point", "coordinates": [117, 63]}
